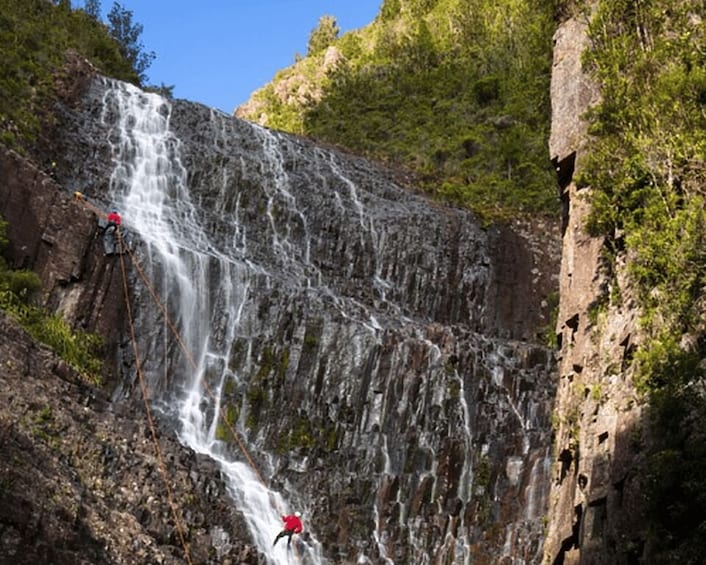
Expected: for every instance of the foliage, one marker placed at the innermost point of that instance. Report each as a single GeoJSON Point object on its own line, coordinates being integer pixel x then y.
{"type": "Point", "coordinates": [127, 34]}
{"type": "Point", "coordinates": [35, 36]}
{"type": "Point", "coordinates": [647, 174]}
{"type": "Point", "coordinates": [301, 435]}
{"type": "Point", "coordinates": [77, 348]}
{"type": "Point", "coordinates": [92, 8]}
{"type": "Point", "coordinates": [20, 284]}
{"type": "Point", "coordinates": [3, 235]}
{"type": "Point", "coordinates": [675, 485]}
{"type": "Point", "coordinates": [323, 35]}
{"type": "Point", "coordinates": [549, 334]}
{"type": "Point", "coordinates": [646, 164]}
{"type": "Point", "coordinates": [226, 424]}
{"type": "Point", "coordinates": [455, 90]}
{"type": "Point", "coordinates": [167, 91]}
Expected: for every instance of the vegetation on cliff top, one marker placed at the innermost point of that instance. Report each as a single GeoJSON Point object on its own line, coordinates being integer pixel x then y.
{"type": "Point", "coordinates": [35, 38]}
{"type": "Point", "coordinates": [647, 170]}
{"type": "Point", "coordinates": [456, 91]}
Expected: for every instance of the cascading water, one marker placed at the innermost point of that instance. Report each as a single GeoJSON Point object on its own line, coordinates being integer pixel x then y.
{"type": "Point", "coordinates": [203, 287]}
{"type": "Point", "coordinates": [334, 321]}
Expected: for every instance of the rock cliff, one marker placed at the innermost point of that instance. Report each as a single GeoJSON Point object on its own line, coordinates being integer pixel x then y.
{"type": "Point", "coordinates": [378, 354]}
{"type": "Point", "coordinates": [81, 475]}
{"type": "Point", "coordinates": [594, 513]}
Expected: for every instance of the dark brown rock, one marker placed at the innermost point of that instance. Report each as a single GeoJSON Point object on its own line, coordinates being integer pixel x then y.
{"type": "Point", "coordinates": [83, 482]}
{"type": "Point", "coordinates": [595, 505]}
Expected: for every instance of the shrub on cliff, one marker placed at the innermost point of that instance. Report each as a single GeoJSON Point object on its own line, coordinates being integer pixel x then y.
{"type": "Point", "coordinates": [35, 36]}
{"type": "Point", "coordinates": [648, 176]}
{"type": "Point", "coordinates": [455, 90]}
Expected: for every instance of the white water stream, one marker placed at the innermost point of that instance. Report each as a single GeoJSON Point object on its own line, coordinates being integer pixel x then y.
{"type": "Point", "coordinates": [208, 287]}
{"type": "Point", "coordinates": [203, 287]}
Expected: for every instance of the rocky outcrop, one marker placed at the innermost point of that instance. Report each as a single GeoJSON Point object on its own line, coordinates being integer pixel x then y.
{"type": "Point", "coordinates": [53, 234]}
{"type": "Point", "coordinates": [85, 481]}
{"type": "Point", "coordinates": [594, 514]}
{"type": "Point", "coordinates": [383, 365]}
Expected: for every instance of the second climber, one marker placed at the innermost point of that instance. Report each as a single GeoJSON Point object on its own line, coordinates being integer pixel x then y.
{"type": "Point", "coordinates": [292, 525]}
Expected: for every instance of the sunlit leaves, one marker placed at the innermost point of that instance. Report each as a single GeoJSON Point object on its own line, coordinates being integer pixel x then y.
{"type": "Point", "coordinates": [35, 36]}
{"type": "Point", "coordinates": [647, 173]}
{"type": "Point", "coordinates": [437, 74]}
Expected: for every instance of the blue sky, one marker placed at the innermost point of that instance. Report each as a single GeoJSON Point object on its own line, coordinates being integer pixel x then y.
{"type": "Point", "coordinates": [218, 52]}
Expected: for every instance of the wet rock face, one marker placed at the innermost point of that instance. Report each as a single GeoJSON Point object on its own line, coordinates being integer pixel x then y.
{"type": "Point", "coordinates": [373, 241]}
{"type": "Point", "coordinates": [369, 233]}
{"type": "Point", "coordinates": [379, 350]}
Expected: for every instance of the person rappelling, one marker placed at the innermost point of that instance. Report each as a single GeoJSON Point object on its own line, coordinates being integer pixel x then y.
{"type": "Point", "coordinates": [111, 223]}
{"type": "Point", "coordinates": [114, 219]}
{"type": "Point", "coordinates": [292, 525]}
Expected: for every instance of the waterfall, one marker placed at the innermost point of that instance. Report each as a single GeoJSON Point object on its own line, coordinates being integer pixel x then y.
{"type": "Point", "coordinates": [333, 322]}
{"type": "Point", "coordinates": [203, 287]}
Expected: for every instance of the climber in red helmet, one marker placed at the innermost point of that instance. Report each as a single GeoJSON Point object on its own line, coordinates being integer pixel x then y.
{"type": "Point", "coordinates": [114, 219]}
{"type": "Point", "coordinates": [292, 525]}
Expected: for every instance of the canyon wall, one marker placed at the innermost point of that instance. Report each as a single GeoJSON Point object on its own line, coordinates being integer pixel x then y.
{"type": "Point", "coordinates": [595, 510]}
{"type": "Point", "coordinates": [379, 355]}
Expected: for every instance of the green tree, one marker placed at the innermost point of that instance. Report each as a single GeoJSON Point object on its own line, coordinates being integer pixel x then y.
{"type": "Point", "coordinates": [166, 90]}
{"type": "Point", "coordinates": [127, 34]}
{"type": "Point", "coordinates": [35, 38]}
{"type": "Point", "coordinates": [421, 7]}
{"type": "Point", "coordinates": [456, 91]}
{"type": "Point", "coordinates": [390, 10]}
{"type": "Point", "coordinates": [93, 8]}
{"type": "Point", "coordinates": [323, 35]}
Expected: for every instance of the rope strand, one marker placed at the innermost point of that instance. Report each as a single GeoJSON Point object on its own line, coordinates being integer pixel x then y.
{"type": "Point", "coordinates": [144, 389]}
{"type": "Point", "coordinates": [145, 398]}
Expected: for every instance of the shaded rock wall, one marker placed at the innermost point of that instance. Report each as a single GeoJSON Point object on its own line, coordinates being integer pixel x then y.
{"type": "Point", "coordinates": [82, 481]}
{"type": "Point", "coordinates": [50, 233]}
{"type": "Point", "coordinates": [594, 515]}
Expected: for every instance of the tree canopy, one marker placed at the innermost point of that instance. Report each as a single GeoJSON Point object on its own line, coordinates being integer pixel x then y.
{"type": "Point", "coordinates": [457, 91]}
{"type": "Point", "coordinates": [127, 33]}
{"type": "Point", "coordinates": [323, 35]}
{"type": "Point", "coordinates": [36, 36]}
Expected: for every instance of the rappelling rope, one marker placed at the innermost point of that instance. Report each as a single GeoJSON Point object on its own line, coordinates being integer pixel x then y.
{"type": "Point", "coordinates": [81, 199]}
{"type": "Point", "coordinates": [192, 362]}
{"type": "Point", "coordinates": [145, 398]}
